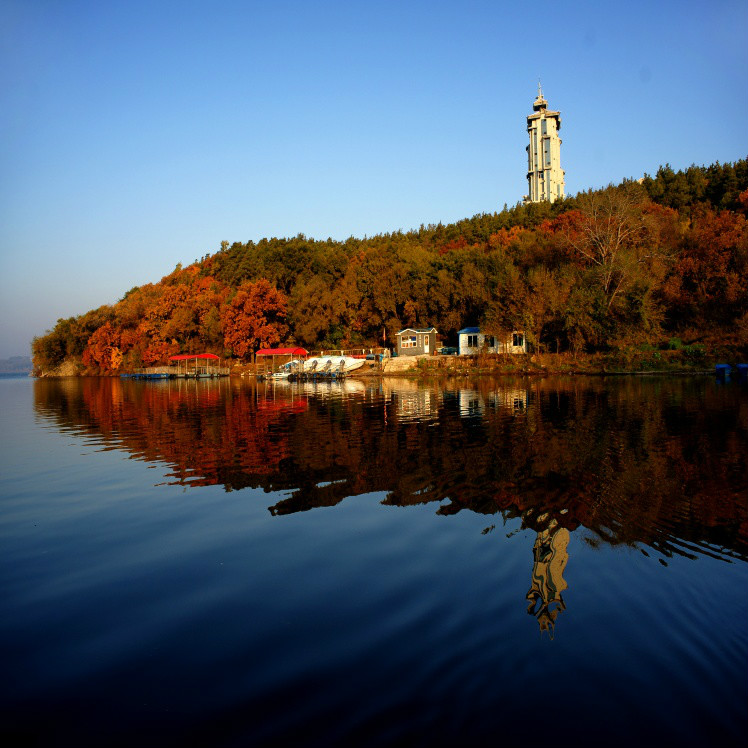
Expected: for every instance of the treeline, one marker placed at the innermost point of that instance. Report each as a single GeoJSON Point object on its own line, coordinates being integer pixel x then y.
{"type": "Point", "coordinates": [637, 264]}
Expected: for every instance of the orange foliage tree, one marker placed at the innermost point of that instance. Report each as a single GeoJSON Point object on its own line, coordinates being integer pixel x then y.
{"type": "Point", "coordinates": [254, 318]}
{"type": "Point", "coordinates": [709, 282]}
{"type": "Point", "coordinates": [103, 349]}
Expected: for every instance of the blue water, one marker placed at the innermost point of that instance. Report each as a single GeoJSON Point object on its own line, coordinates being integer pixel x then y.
{"type": "Point", "coordinates": [218, 563]}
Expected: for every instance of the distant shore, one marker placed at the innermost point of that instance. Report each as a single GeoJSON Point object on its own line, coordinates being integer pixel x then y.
{"type": "Point", "coordinates": [15, 366]}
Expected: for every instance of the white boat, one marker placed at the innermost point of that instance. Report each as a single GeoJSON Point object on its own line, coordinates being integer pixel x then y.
{"type": "Point", "coordinates": [286, 370]}
{"type": "Point", "coordinates": [325, 365]}
{"type": "Point", "coordinates": [329, 364]}
{"type": "Point", "coordinates": [351, 364]}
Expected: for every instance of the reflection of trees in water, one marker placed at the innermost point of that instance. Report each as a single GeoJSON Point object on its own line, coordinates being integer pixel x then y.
{"type": "Point", "coordinates": [208, 431]}
{"type": "Point", "coordinates": [660, 462]}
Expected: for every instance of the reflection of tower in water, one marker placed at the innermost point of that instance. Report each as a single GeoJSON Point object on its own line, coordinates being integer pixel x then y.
{"type": "Point", "coordinates": [550, 556]}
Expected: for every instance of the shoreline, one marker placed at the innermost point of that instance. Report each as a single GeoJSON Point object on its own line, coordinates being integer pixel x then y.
{"type": "Point", "coordinates": [415, 374]}
{"type": "Point", "coordinates": [639, 363]}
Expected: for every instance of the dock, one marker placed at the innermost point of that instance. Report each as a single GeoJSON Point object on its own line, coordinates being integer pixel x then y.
{"type": "Point", "coordinates": [183, 366]}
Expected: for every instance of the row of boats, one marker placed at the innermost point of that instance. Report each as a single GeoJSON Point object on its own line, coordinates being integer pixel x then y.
{"type": "Point", "coordinates": [319, 367]}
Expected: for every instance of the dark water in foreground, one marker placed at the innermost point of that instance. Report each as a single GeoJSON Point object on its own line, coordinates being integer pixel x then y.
{"type": "Point", "coordinates": [513, 562]}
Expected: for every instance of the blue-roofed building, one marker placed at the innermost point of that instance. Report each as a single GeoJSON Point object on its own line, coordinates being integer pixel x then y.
{"type": "Point", "coordinates": [472, 341]}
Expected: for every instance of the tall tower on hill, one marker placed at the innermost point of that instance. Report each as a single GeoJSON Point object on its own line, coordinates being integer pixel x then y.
{"type": "Point", "coordinates": [545, 176]}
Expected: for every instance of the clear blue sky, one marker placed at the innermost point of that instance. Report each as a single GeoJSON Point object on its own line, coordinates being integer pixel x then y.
{"type": "Point", "coordinates": [136, 135]}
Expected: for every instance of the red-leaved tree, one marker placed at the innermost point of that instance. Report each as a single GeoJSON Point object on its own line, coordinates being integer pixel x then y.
{"type": "Point", "coordinates": [103, 349]}
{"type": "Point", "coordinates": [254, 318]}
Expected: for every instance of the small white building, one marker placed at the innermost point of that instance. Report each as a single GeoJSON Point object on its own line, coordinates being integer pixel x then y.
{"type": "Point", "coordinates": [472, 341]}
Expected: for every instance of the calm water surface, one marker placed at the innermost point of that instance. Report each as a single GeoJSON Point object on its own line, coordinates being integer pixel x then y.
{"type": "Point", "coordinates": [517, 562]}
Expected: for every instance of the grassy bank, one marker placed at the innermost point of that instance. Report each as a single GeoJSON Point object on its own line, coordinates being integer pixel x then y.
{"type": "Point", "coordinates": [687, 360]}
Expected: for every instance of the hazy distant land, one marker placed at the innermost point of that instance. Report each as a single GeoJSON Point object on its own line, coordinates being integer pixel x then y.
{"type": "Point", "coordinates": [15, 365]}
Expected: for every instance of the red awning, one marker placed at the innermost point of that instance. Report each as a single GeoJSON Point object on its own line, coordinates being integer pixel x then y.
{"type": "Point", "coordinates": [190, 356]}
{"type": "Point", "coordinates": [282, 352]}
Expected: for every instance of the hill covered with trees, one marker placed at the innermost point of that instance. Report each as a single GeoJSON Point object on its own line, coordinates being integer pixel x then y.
{"type": "Point", "coordinates": [661, 261]}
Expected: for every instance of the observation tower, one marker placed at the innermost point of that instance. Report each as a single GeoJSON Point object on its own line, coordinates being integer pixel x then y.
{"type": "Point", "coordinates": [545, 177]}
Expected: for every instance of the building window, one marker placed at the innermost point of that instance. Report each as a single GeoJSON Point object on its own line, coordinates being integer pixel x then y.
{"type": "Point", "coordinates": [491, 342]}
{"type": "Point", "coordinates": [472, 341]}
{"type": "Point", "coordinates": [408, 341]}
{"type": "Point", "coordinates": [518, 340]}
{"type": "Point", "coordinates": [544, 126]}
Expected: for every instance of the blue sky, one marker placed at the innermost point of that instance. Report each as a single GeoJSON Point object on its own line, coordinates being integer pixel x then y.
{"type": "Point", "coordinates": [136, 135]}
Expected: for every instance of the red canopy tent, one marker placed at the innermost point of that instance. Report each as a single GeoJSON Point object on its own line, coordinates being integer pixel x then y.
{"type": "Point", "coordinates": [205, 370]}
{"type": "Point", "coordinates": [190, 356]}
{"type": "Point", "coordinates": [282, 352]}
{"type": "Point", "coordinates": [290, 353]}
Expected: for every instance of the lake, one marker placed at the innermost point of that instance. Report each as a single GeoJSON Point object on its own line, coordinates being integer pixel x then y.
{"type": "Point", "coordinates": [558, 561]}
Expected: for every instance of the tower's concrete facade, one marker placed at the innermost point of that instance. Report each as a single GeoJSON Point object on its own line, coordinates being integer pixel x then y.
{"type": "Point", "coordinates": [545, 177]}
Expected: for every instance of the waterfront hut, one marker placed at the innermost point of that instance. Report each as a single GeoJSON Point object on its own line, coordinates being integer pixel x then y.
{"type": "Point", "coordinates": [416, 341]}
{"type": "Point", "coordinates": [473, 341]}
{"type": "Point", "coordinates": [279, 356]}
{"type": "Point", "coordinates": [198, 365]}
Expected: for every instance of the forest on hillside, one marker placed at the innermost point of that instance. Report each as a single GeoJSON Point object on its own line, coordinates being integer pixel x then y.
{"type": "Point", "coordinates": [661, 261]}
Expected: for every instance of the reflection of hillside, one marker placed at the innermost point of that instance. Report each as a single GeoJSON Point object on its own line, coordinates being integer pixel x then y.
{"type": "Point", "coordinates": [632, 460]}
{"type": "Point", "coordinates": [208, 431]}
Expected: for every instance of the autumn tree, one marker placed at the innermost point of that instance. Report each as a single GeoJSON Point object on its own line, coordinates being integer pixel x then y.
{"type": "Point", "coordinates": [320, 308]}
{"type": "Point", "coordinates": [503, 311]}
{"type": "Point", "coordinates": [611, 236]}
{"type": "Point", "coordinates": [708, 285]}
{"type": "Point", "coordinates": [254, 318]}
{"type": "Point", "coordinates": [542, 307]}
{"type": "Point", "coordinates": [103, 349]}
